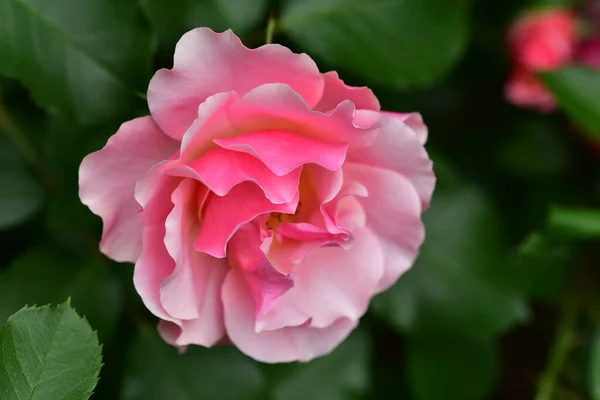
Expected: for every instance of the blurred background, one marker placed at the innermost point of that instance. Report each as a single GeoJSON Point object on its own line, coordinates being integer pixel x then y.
{"type": "Point", "coordinates": [503, 302]}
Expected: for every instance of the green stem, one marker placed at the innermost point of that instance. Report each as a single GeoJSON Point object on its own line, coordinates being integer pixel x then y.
{"type": "Point", "coordinates": [563, 343]}
{"type": "Point", "coordinates": [271, 25]}
{"type": "Point", "coordinates": [33, 158]}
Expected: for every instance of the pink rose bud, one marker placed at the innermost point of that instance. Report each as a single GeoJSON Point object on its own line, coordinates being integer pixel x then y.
{"type": "Point", "coordinates": [544, 39]}
{"type": "Point", "coordinates": [588, 52]}
{"type": "Point", "coordinates": [261, 200]}
{"type": "Point", "coordinates": [525, 90]}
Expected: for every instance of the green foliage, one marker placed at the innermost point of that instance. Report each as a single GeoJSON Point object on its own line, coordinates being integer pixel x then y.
{"type": "Point", "coordinates": [341, 375]}
{"type": "Point", "coordinates": [575, 222]}
{"type": "Point", "coordinates": [457, 285]}
{"type": "Point", "coordinates": [48, 353]}
{"type": "Point", "coordinates": [381, 40]}
{"type": "Point", "coordinates": [82, 58]}
{"type": "Point", "coordinates": [172, 18]}
{"type": "Point", "coordinates": [461, 369]}
{"type": "Point", "coordinates": [512, 231]}
{"type": "Point", "coordinates": [20, 198]}
{"type": "Point", "coordinates": [156, 371]}
{"type": "Point", "coordinates": [42, 276]}
{"type": "Point", "coordinates": [576, 90]}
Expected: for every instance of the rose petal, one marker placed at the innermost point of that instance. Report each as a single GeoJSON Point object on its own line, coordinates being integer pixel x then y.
{"type": "Point", "coordinates": [224, 215]}
{"type": "Point", "coordinates": [220, 170]}
{"type": "Point", "coordinates": [393, 211]}
{"type": "Point", "coordinates": [206, 63]}
{"type": "Point", "coordinates": [287, 344]}
{"type": "Point", "coordinates": [336, 91]}
{"type": "Point", "coordinates": [283, 151]}
{"type": "Point", "coordinates": [107, 180]}
{"type": "Point", "coordinates": [332, 283]}
{"type": "Point", "coordinates": [397, 148]}
{"type": "Point", "coordinates": [414, 121]}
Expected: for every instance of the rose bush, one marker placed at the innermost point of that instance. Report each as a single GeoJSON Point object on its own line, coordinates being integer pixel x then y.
{"type": "Point", "coordinates": [262, 202]}
{"type": "Point", "coordinates": [539, 41]}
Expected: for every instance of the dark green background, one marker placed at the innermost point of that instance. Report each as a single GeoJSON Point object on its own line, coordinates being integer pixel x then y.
{"type": "Point", "coordinates": [511, 246]}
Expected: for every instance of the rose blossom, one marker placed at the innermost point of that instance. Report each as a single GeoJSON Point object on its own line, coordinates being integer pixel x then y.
{"type": "Point", "coordinates": [539, 41]}
{"type": "Point", "coordinates": [543, 40]}
{"type": "Point", "coordinates": [261, 201]}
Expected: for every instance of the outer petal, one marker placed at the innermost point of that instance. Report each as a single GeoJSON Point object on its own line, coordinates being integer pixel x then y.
{"type": "Point", "coordinates": [393, 211]}
{"type": "Point", "coordinates": [414, 122]}
{"type": "Point", "coordinates": [183, 287]}
{"type": "Point", "coordinates": [283, 345]}
{"type": "Point", "coordinates": [336, 91]}
{"type": "Point", "coordinates": [332, 283]}
{"type": "Point", "coordinates": [208, 328]}
{"type": "Point", "coordinates": [399, 149]}
{"type": "Point", "coordinates": [525, 90]}
{"type": "Point", "coordinates": [107, 180]}
{"type": "Point", "coordinates": [206, 63]}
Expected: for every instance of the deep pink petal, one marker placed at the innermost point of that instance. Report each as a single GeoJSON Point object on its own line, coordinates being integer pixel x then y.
{"type": "Point", "coordinates": [107, 180]}
{"type": "Point", "coordinates": [336, 91]}
{"type": "Point", "coordinates": [301, 343]}
{"type": "Point", "coordinates": [393, 210]}
{"type": "Point", "coordinates": [266, 284]}
{"type": "Point", "coordinates": [206, 63]}
{"type": "Point", "coordinates": [283, 151]}
{"type": "Point", "coordinates": [220, 170]}
{"type": "Point", "coordinates": [397, 148]}
{"type": "Point", "coordinates": [224, 215]}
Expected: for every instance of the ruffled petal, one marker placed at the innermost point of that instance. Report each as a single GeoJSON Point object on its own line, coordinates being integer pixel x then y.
{"type": "Point", "coordinates": [332, 283]}
{"type": "Point", "coordinates": [399, 149]}
{"type": "Point", "coordinates": [206, 63]}
{"type": "Point", "coordinates": [336, 91]}
{"type": "Point", "coordinates": [107, 180]}
{"type": "Point", "coordinates": [393, 212]}
{"type": "Point", "coordinates": [300, 343]}
{"type": "Point", "coordinates": [220, 170]}
{"type": "Point", "coordinates": [284, 151]}
{"type": "Point", "coordinates": [224, 215]}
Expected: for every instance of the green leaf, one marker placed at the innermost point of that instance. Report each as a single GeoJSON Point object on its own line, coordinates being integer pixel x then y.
{"type": "Point", "coordinates": [448, 368]}
{"type": "Point", "coordinates": [172, 18]}
{"type": "Point", "coordinates": [594, 370]}
{"type": "Point", "coordinates": [243, 14]}
{"type": "Point", "coordinates": [543, 264]}
{"type": "Point", "coordinates": [20, 198]}
{"type": "Point", "coordinates": [460, 282]}
{"type": "Point", "coordinates": [42, 276]}
{"type": "Point", "coordinates": [155, 370]}
{"type": "Point", "coordinates": [83, 58]}
{"type": "Point", "coordinates": [535, 149]}
{"type": "Point", "coordinates": [576, 90]}
{"type": "Point", "coordinates": [48, 353]}
{"type": "Point", "coordinates": [344, 374]}
{"type": "Point", "coordinates": [579, 223]}
{"type": "Point", "coordinates": [397, 42]}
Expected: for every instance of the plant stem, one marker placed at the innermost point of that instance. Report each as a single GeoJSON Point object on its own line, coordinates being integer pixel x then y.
{"type": "Point", "coordinates": [33, 158]}
{"type": "Point", "coordinates": [563, 343]}
{"type": "Point", "coordinates": [271, 25]}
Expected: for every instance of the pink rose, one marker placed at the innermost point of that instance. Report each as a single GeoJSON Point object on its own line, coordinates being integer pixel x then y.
{"type": "Point", "coordinates": [539, 41]}
{"type": "Point", "coordinates": [588, 52]}
{"type": "Point", "coordinates": [543, 40]}
{"type": "Point", "coordinates": [524, 89]}
{"type": "Point", "coordinates": [262, 201]}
